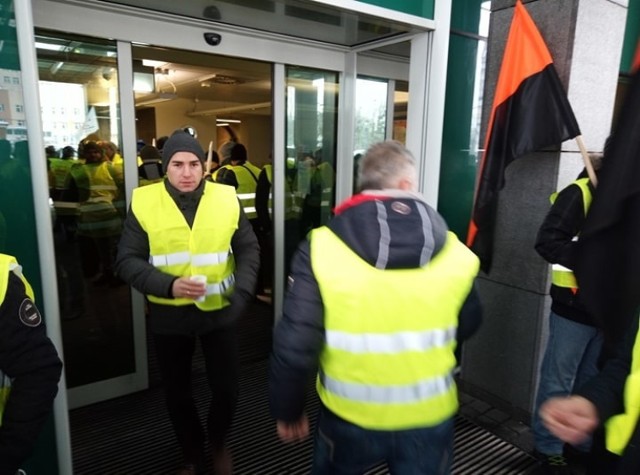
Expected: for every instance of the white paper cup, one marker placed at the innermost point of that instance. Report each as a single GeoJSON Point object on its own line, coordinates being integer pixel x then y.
{"type": "Point", "coordinates": [199, 278]}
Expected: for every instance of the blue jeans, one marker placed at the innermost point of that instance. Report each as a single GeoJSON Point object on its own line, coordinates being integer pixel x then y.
{"type": "Point", "coordinates": [342, 448]}
{"type": "Point", "coordinates": [569, 361]}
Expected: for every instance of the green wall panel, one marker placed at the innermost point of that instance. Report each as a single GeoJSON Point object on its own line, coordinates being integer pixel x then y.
{"type": "Point", "coordinates": [421, 8]}
{"type": "Point", "coordinates": [465, 15]}
{"type": "Point", "coordinates": [17, 214]}
{"type": "Point", "coordinates": [631, 35]}
{"type": "Point", "coordinates": [459, 157]}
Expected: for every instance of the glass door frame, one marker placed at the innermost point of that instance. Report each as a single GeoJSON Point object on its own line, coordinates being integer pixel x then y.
{"type": "Point", "coordinates": [426, 72]}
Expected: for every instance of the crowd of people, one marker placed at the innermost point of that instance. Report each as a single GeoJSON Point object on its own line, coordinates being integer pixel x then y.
{"type": "Point", "coordinates": [380, 298]}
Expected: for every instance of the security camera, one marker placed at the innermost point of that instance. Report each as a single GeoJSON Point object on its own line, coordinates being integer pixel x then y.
{"type": "Point", "coordinates": [213, 39]}
{"type": "Point", "coordinates": [211, 12]}
{"type": "Point", "coordinates": [107, 74]}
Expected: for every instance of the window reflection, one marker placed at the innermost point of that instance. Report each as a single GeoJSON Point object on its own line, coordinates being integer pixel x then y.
{"type": "Point", "coordinates": [312, 98]}
{"type": "Point", "coordinates": [80, 109]}
{"type": "Point", "coordinates": [371, 118]}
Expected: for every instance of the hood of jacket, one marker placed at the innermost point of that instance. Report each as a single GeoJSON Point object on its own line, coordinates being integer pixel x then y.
{"type": "Point", "coordinates": [390, 229]}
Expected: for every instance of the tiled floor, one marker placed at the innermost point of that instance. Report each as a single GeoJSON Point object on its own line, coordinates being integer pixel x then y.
{"type": "Point", "coordinates": [496, 421]}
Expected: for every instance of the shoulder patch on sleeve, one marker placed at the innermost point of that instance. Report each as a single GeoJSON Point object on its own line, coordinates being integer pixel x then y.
{"type": "Point", "coordinates": [29, 313]}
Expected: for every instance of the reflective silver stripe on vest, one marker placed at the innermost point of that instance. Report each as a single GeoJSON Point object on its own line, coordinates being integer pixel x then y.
{"type": "Point", "coordinates": [390, 343]}
{"type": "Point", "coordinates": [249, 209]}
{"type": "Point", "coordinates": [198, 260]}
{"type": "Point", "coordinates": [246, 196]}
{"type": "Point", "coordinates": [170, 259]}
{"type": "Point", "coordinates": [66, 204]}
{"type": "Point", "coordinates": [222, 287]}
{"type": "Point", "coordinates": [209, 259]}
{"type": "Point", "coordinates": [92, 206]}
{"type": "Point", "coordinates": [560, 268]}
{"type": "Point", "coordinates": [427, 232]}
{"type": "Point", "coordinates": [385, 237]}
{"type": "Point", "coordinates": [410, 393]}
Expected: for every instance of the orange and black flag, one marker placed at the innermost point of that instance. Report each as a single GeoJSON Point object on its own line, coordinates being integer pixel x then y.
{"type": "Point", "coordinates": [530, 111]}
{"type": "Point", "coordinates": [608, 252]}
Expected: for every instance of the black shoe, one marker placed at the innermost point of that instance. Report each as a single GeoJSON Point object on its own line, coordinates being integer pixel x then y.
{"type": "Point", "coordinates": [555, 464]}
{"type": "Point", "coordinates": [191, 469]}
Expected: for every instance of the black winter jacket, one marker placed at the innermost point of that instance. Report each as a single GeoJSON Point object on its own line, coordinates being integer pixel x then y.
{"type": "Point", "coordinates": [606, 391]}
{"type": "Point", "coordinates": [28, 357]}
{"type": "Point", "coordinates": [556, 245]}
{"type": "Point", "coordinates": [299, 335]}
{"type": "Point", "coordinates": [132, 266]}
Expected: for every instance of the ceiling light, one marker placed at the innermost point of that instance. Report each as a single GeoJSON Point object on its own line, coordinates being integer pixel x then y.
{"type": "Point", "coordinates": [232, 121]}
{"type": "Point", "coordinates": [222, 124]}
{"type": "Point", "coordinates": [144, 79]}
{"type": "Point", "coordinates": [55, 67]}
{"type": "Point", "coordinates": [49, 46]}
{"type": "Point", "coordinates": [151, 63]}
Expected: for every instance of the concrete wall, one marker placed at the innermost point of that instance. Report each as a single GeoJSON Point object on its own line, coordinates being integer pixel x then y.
{"type": "Point", "coordinates": [585, 39]}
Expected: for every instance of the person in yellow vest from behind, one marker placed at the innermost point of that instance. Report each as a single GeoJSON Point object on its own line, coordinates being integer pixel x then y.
{"type": "Point", "coordinates": [243, 176]}
{"type": "Point", "coordinates": [610, 399]}
{"type": "Point", "coordinates": [188, 246]}
{"type": "Point", "coordinates": [96, 189]}
{"type": "Point", "coordinates": [150, 171]}
{"type": "Point", "coordinates": [29, 368]}
{"type": "Point", "coordinates": [378, 299]}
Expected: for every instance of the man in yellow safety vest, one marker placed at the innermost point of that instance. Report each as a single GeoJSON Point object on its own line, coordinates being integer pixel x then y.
{"type": "Point", "coordinates": [377, 301]}
{"type": "Point", "coordinates": [188, 246]}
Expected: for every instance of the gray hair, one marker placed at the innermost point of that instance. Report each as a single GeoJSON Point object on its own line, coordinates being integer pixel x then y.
{"type": "Point", "coordinates": [384, 164]}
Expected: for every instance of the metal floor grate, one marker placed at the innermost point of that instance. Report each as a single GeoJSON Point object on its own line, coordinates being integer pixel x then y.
{"type": "Point", "coordinates": [132, 435]}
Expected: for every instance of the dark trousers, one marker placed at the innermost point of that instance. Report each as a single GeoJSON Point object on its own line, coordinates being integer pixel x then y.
{"type": "Point", "coordinates": [342, 448]}
{"type": "Point", "coordinates": [175, 353]}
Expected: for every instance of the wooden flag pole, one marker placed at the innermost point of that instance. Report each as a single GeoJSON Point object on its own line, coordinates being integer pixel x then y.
{"type": "Point", "coordinates": [207, 169]}
{"type": "Point", "coordinates": [587, 161]}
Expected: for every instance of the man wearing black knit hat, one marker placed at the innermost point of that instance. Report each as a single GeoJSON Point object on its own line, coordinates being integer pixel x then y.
{"type": "Point", "coordinates": [188, 246]}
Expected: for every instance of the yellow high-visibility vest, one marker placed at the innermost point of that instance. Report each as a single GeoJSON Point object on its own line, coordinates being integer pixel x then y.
{"type": "Point", "coordinates": [247, 178]}
{"type": "Point", "coordinates": [204, 249]}
{"type": "Point", "coordinates": [390, 334]}
{"type": "Point", "coordinates": [562, 276]}
{"type": "Point", "coordinates": [290, 211]}
{"type": "Point", "coordinates": [97, 215]}
{"type": "Point", "coordinates": [619, 428]}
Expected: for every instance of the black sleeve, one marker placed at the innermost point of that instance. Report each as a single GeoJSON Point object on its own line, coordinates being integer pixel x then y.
{"type": "Point", "coordinates": [470, 316]}
{"type": "Point", "coordinates": [297, 341]}
{"type": "Point", "coordinates": [606, 390]}
{"type": "Point", "coordinates": [263, 189]}
{"type": "Point", "coordinates": [246, 253]}
{"type": "Point", "coordinates": [30, 360]}
{"type": "Point", "coordinates": [227, 176]}
{"type": "Point", "coordinates": [132, 261]}
{"type": "Point", "coordinates": [563, 222]}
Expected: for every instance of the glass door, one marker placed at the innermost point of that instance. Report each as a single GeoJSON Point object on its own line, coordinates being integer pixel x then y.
{"type": "Point", "coordinates": [80, 118]}
{"type": "Point", "coordinates": [311, 127]}
{"type": "Point", "coordinates": [370, 117]}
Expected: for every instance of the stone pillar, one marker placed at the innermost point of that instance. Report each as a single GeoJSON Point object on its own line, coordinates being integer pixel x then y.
{"type": "Point", "coordinates": [500, 363]}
